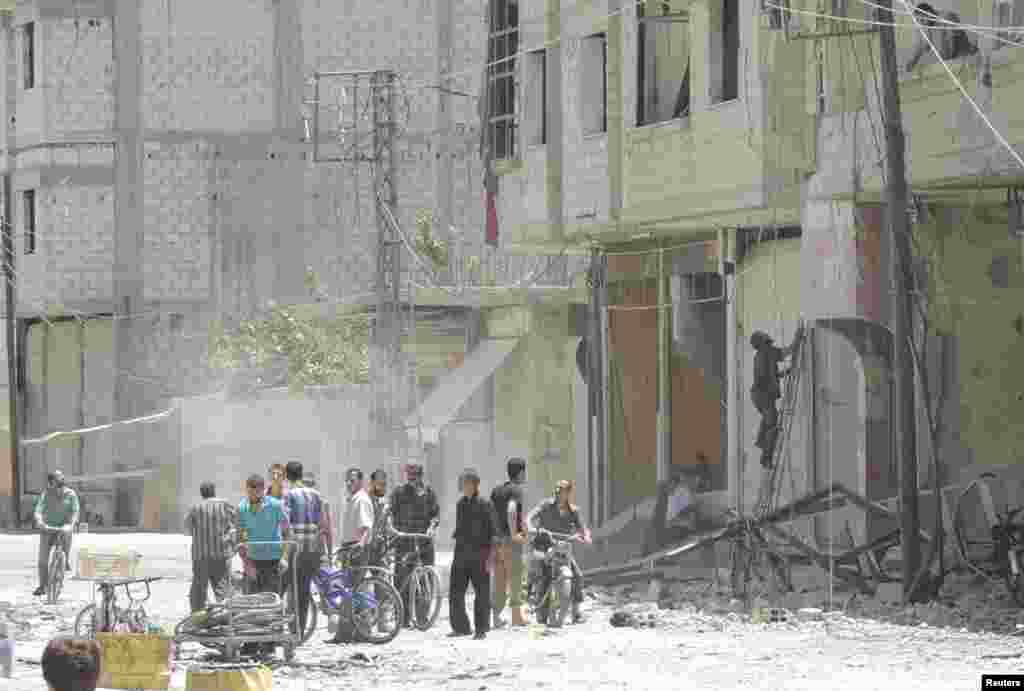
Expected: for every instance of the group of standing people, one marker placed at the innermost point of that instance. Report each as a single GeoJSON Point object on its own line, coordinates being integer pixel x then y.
{"type": "Point", "coordinates": [493, 537]}
{"type": "Point", "coordinates": [286, 524]}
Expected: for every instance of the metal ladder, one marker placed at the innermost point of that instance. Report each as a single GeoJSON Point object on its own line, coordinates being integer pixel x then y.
{"type": "Point", "coordinates": [790, 398]}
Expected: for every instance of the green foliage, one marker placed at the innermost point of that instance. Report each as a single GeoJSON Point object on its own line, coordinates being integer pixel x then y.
{"type": "Point", "coordinates": [426, 244]}
{"type": "Point", "coordinates": [316, 350]}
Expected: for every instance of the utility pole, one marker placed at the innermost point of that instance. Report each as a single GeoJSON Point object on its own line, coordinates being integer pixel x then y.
{"type": "Point", "coordinates": [388, 323]}
{"type": "Point", "coordinates": [12, 347]}
{"type": "Point", "coordinates": [10, 92]}
{"type": "Point", "coordinates": [386, 371]}
{"type": "Point", "coordinates": [896, 195]}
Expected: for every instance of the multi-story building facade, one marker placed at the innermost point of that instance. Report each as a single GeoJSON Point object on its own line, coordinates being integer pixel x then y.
{"type": "Point", "coordinates": [724, 160]}
{"type": "Point", "coordinates": [161, 165]}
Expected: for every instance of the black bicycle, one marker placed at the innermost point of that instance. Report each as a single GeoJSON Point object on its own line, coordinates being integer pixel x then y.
{"type": "Point", "coordinates": [421, 587]}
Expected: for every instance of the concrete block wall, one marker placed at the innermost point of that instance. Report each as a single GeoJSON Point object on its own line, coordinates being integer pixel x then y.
{"type": "Point", "coordinates": [226, 186]}
{"type": "Point", "coordinates": [235, 209]}
{"type": "Point", "coordinates": [74, 245]}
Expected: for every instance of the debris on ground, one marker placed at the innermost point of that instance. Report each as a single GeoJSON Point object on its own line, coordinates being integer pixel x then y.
{"type": "Point", "coordinates": [966, 603]}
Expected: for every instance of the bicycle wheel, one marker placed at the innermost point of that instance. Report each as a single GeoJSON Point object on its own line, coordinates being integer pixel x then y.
{"type": "Point", "coordinates": [425, 597]}
{"type": "Point", "coordinates": [376, 611]}
{"type": "Point", "coordinates": [55, 582]}
{"type": "Point", "coordinates": [975, 542]}
{"type": "Point", "coordinates": [312, 613]}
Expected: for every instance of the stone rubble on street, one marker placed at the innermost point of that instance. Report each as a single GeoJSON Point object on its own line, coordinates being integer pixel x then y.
{"type": "Point", "coordinates": [699, 641]}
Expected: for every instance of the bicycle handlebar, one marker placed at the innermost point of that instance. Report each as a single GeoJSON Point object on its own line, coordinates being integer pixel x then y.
{"type": "Point", "coordinates": [412, 536]}
{"type": "Point", "coordinates": [563, 537]}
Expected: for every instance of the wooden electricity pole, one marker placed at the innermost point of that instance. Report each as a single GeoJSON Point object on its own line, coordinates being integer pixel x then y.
{"type": "Point", "coordinates": [896, 194]}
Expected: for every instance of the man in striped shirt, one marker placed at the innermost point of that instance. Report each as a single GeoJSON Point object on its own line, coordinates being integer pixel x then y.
{"type": "Point", "coordinates": [311, 528]}
{"type": "Point", "coordinates": [211, 523]}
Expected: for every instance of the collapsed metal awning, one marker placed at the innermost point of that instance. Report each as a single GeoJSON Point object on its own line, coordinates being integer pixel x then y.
{"type": "Point", "coordinates": [456, 388]}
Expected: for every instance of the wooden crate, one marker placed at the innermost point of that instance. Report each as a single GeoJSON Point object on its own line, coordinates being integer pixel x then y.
{"type": "Point", "coordinates": [108, 564]}
{"type": "Point", "coordinates": [135, 661]}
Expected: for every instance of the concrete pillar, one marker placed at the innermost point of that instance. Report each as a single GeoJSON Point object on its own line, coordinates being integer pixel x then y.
{"type": "Point", "coordinates": [280, 256]}
{"type": "Point", "coordinates": [444, 165]}
{"type": "Point", "coordinates": [554, 143]}
{"type": "Point", "coordinates": [129, 225]}
{"type": "Point", "coordinates": [664, 423]}
{"type": "Point", "coordinates": [726, 267]}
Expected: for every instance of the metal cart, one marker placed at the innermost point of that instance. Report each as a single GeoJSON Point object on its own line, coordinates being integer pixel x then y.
{"type": "Point", "coordinates": [249, 618]}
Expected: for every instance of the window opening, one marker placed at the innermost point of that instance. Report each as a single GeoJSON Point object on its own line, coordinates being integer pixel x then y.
{"type": "Point", "coordinates": [663, 62]}
{"type": "Point", "coordinates": [29, 54]}
{"type": "Point", "coordinates": [502, 47]}
{"type": "Point", "coordinates": [29, 209]}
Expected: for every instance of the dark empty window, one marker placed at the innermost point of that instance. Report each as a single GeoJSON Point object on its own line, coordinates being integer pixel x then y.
{"type": "Point", "coordinates": [29, 54]}
{"type": "Point", "coordinates": [663, 61]}
{"type": "Point", "coordinates": [28, 198]}
{"type": "Point", "coordinates": [730, 50]}
{"type": "Point", "coordinates": [535, 98]}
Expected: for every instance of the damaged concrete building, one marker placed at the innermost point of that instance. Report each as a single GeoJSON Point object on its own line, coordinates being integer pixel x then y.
{"type": "Point", "coordinates": [161, 167]}
{"type": "Point", "coordinates": [723, 162]}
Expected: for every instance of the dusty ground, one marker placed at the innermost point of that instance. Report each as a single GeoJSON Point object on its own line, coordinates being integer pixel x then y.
{"type": "Point", "coordinates": [687, 649]}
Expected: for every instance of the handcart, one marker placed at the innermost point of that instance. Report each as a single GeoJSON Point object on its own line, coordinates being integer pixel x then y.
{"type": "Point", "coordinates": [248, 618]}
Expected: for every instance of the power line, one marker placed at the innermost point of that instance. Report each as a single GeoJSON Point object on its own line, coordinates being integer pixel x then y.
{"type": "Point", "coordinates": [951, 25]}
{"type": "Point", "coordinates": [977, 109]}
{"type": "Point", "coordinates": [478, 66]}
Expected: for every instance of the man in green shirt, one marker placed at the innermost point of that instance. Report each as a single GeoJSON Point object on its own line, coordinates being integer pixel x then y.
{"type": "Point", "coordinates": [56, 514]}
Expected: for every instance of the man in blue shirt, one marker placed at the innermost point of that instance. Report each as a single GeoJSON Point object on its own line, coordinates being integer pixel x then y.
{"type": "Point", "coordinates": [262, 519]}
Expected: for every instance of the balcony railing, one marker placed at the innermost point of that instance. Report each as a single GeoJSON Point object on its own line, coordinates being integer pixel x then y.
{"type": "Point", "coordinates": [474, 264]}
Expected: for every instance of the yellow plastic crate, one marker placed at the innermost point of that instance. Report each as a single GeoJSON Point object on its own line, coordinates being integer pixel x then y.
{"type": "Point", "coordinates": [135, 661]}
{"type": "Point", "coordinates": [256, 678]}
{"type": "Point", "coordinates": [124, 563]}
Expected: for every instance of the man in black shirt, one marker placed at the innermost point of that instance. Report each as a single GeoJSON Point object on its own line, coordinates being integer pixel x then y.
{"type": "Point", "coordinates": [413, 509]}
{"type": "Point", "coordinates": [475, 535]}
{"type": "Point", "coordinates": [766, 390]}
{"type": "Point", "coordinates": [510, 561]}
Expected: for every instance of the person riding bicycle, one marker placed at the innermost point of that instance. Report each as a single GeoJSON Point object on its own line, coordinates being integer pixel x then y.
{"type": "Point", "coordinates": [56, 515]}
{"type": "Point", "coordinates": [559, 515]}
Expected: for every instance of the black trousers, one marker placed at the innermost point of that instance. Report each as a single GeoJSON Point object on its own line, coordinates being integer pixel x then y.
{"type": "Point", "coordinates": [207, 573]}
{"type": "Point", "coordinates": [267, 580]}
{"type": "Point", "coordinates": [403, 549]}
{"type": "Point", "coordinates": [465, 572]}
{"type": "Point", "coordinates": [306, 564]}
{"type": "Point", "coordinates": [768, 430]}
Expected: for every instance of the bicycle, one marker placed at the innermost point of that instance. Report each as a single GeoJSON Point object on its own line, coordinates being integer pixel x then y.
{"type": "Point", "coordinates": [353, 586]}
{"type": "Point", "coordinates": [109, 616]}
{"type": "Point", "coordinates": [56, 565]}
{"type": "Point", "coordinates": [1000, 552]}
{"type": "Point", "coordinates": [421, 587]}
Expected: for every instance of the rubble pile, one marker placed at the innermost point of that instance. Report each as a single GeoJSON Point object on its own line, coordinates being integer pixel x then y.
{"type": "Point", "coordinates": [965, 603]}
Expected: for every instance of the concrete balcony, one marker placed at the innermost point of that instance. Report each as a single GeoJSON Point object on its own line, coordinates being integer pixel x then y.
{"type": "Point", "coordinates": [950, 147]}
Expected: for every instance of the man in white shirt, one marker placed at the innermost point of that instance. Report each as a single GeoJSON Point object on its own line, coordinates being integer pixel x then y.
{"type": "Point", "coordinates": [358, 521]}
{"type": "Point", "coordinates": [357, 527]}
